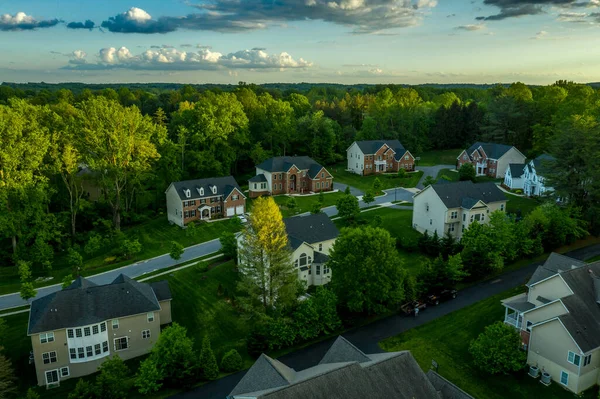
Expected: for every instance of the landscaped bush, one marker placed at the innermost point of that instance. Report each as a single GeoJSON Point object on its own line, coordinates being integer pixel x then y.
{"type": "Point", "coordinates": [497, 350]}
{"type": "Point", "coordinates": [232, 361]}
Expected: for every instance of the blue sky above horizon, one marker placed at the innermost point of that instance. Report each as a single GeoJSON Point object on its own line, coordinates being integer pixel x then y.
{"type": "Point", "coordinates": [342, 41]}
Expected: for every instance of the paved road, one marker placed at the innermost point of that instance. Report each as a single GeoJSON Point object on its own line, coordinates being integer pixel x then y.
{"type": "Point", "coordinates": [432, 171]}
{"type": "Point", "coordinates": [353, 190]}
{"type": "Point", "coordinates": [390, 195]}
{"type": "Point", "coordinates": [134, 270]}
{"type": "Point", "coordinates": [366, 338]}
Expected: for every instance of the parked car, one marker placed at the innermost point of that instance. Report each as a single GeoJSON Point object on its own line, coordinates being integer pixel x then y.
{"type": "Point", "coordinates": [409, 307]}
{"type": "Point", "coordinates": [441, 296]}
{"type": "Point", "coordinates": [243, 219]}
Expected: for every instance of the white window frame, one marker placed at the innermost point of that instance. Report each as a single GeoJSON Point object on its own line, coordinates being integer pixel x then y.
{"type": "Point", "coordinates": [115, 322]}
{"type": "Point", "coordinates": [502, 207]}
{"type": "Point", "coordinates": [46, 337]}
{"type": "Point", "coordinates": [321, 247]}
{"type": "Point", "coordinates": [105, 346]}
{"type": "Point", "coordinates": [78, 332]}
{"type": "Point", "coordinates": [64, 375]}
{"type": "Point", "coordinates": [50, 372]}
{"type": "Point", "coordinates": [49, 357]}
{"type": "Point", "coordinates": [95, 329]}
{"type": "Point", "coordinates": [145, 334]}
{"type": "Point", "coordinates": [70, 333]}
{"type": "Point", "coordinates": [103, 326]}
{"type": "Point", "coordinates": [73, 353]}
{"type": "Point", "coordinates": [571, 356]}
{"type": "Point", "coordinates": [563, 372]}
{"type": "Point", "coordinates": [214, 189]}
{"type": "Point", "coordinates": [587, 360]}
{"type": "Point", "coordinates": [119, 339]}
{"type": "Point", "coordinates": [150, 317]}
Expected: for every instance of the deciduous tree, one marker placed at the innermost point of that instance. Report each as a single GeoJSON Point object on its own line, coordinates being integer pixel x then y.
{"type": "Point", "coordinates": [497, 350]}
{"type": "Point", "coordinates": [347, 207]}
{"type": "Point", "coordinates": [176, 251]}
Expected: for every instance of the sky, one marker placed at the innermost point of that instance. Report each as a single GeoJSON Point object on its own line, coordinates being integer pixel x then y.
{"type": "Point", "coordinates": [337, 41]}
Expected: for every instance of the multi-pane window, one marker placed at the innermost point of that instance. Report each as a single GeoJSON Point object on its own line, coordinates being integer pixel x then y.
{"type": "Point", "coordinates": [78, 333]}
{"type": "Point", "coordinates": [325, 269]}
{"type": "Point", "coordinates": [51, 376]}
{"type": "Point", "coordinates": [318, 270]}
{"type": "Point", "coordinates": [95, 329]}
{"type": "Point", "coordinates": [121, 343]}
{"type": "Point", "coordinates": [47, 337]}
{"type": "Point", "coordinates": [146, 334]}
{"type": "Point", "coordinates": [64, 372]}
{"type": "Point", "coordinates": [150, 317]}
{"type": "Point", "coordinates": [97, 349]}
{"type": "Point", "coordinates": [49, 357]}
{"type": "Point", "coordinates": [318, 185]}
{"type": "Point", "coordinates": [564, 378]}
{"type": "Point", "coordinates": [454, 215]}
{"type": "Point", "coordinates": [115, 324]}
{"type": "Point", "coordinates": [234, 197]}
{"type": "Point", "coordinates": [80, 353]}
{"type": "Point", "coordinates": [70, 333]}
{"type": "Point", "coordinates": [89, 351]}
{"type": "Point", "coordinates": [303, 259]}
{"type": "Point", "coordinates": [87, 331]}
{"type": "Point", "coordinates": [323, 175]}
{"type": "Point", "coordinates": [103, 327]}
{"type": "Point", "coordinates": [501, 207]}
{"type": "Point", "coordinates": [73, 353]}
{"type": "Point", "coordinates": [320, 247]}
{"type": "Point", "coordinates": [105, 346]}
{"type": "Point", "coordinates": [574, 358]}
{"type": "Point", "coordinates": [587, 360]}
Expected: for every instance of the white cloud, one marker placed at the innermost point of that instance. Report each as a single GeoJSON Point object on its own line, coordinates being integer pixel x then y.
{"type": "Point", "coordinates": [540, 35]}
{"type": "Point", "coordinates": [173, 59]}
{"type": "Point", "coordinates": [22, 21]}
{"type": "Point", "coordinates": [136, 14]}
{"type": "Point", "coordinates": [471, 27]}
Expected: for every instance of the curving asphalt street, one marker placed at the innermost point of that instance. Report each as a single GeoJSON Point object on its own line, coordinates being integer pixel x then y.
{"type": "Point", "coordinates": [367, 338]}
{"type": "Point", "coordinates": [432, 171]}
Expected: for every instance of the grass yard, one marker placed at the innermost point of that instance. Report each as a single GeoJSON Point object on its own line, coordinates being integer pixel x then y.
{"type": "Point", "coordinates": [522, 204]}
{"type": "Point", "coordinates": [305, 203]}
{"type": "Point", "coordinates": [438, 157]}
{"type": "Point", "coordinates": [450, 175]}
{"type": "Point", "coordinates": [398, 222]}
{"type": "Point", "coordinates": [155, 236]}
{"type": "Point", "coordinates": [446, 340]}
{"type": "Point", "coordinates": [365, 183]}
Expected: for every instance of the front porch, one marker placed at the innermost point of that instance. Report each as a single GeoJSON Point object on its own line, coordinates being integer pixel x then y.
{"type": "Point", "coordinates": [514, 308]}
{"type": "Point", "coordinates": [481, 169]}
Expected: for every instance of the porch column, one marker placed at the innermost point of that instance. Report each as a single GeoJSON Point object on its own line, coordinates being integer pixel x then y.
{"type": "Point", "coordinates": [505, 313]}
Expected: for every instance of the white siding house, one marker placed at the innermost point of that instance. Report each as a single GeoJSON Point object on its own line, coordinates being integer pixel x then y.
{"type": "Point", "coordinates": [514, 176]}
{"type": "Point", "coordinates": [355, 158]}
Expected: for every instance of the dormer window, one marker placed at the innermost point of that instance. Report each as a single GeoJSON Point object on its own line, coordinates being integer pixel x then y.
{"type": "Point", "coordinates": [214, 189]}
{"type": "Point", "coordinates": [201, 191]}
{"type": "Point", "coordinates": [188, 193]}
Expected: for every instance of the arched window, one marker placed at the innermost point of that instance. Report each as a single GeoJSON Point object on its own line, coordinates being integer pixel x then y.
{"type": "Point", "coordinates": [303, 258]}
{"type": "Point", "coordinates": [214, 189]}
{"type": "Point", "coordinates": [201, 191]}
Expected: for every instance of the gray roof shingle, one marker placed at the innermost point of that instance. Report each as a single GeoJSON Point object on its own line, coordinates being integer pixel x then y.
{"type": "Point", "coordinates": [454, 195]}
{"type": "Point", "coordinates": [320, 258]}
{"type": "Point", "coordinates": [516, 169]}
{"type": "Point", "coordinates": [492, 150]}
{"type": "Point", "coordinates": [369, 147]}
{"type": "Point", "coordinates": [283, 164]}
{"type": "Point", "coordinates": [343, 351]}
{"type": "Point", "coordinates": [260, 178]}
{"type": "Point", "coordinates": [310, 229]}
{"type": "Point", "coordinates": [84, 303]}
{"type": "Point", "coordinates": [445, 388]}
{"type": "Point", "coordinates": [265, 373]}
{"type": "Point", "coordinates": [162, 290]}
{"type": "Point", "coordinates": [555, 263]}
{"type": "Point", "coordinates": [225, 186]}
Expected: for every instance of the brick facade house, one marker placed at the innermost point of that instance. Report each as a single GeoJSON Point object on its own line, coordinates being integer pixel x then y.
{"type": "Point", "coordinates": [379, 156]}
{"type": "Point", "coordinates": [290, 175]}
{"type": "Point", "coordinates": [204, 199]}
{"type": "Point", "coordinates": [490, 159]}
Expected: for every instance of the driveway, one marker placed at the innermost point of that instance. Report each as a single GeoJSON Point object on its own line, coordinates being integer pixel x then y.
{"type": "Point", "coordinates": [366, 338]}
{"type": "Point", "coordinates": [390, 195]}
{"type": "Point", "coordinates": [353, 190]}
{"type": "Point", "coordinates": [432, 171]}
{"type": "Point", "coordinates": [134, 270]}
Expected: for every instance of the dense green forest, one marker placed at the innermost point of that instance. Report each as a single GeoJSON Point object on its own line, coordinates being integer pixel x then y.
{"type": "Point", "coordinates": [133, 140]}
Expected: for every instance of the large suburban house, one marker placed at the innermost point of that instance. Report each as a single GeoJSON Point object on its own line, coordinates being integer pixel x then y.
{"type": "Point", "coordinates": [490, 159]}
{"type": "Point", "coordinates": [530, 176]}
{"type": "Point", "coordinates": [378, 156]}
{"type": "Point", "coordinates": [558, 319]}
{"type": "Point", "coordinates": [310, 239]}
{"type": "Point", "coordinates": [452, 207]}
{"type": "Point", "coordinates": [345, 372]}
{"type": "Point", "coordinates": [204, 199]}
{"type": "Point", "coordinates": [76, 329]}
{"type": "Point", "coordinates": [289, 175]}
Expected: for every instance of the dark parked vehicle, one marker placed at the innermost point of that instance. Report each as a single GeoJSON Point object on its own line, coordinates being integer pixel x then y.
{"type": "Point", "coordinates": [441, 296]}
{"type": "Point", "coordinates": [409, 307]}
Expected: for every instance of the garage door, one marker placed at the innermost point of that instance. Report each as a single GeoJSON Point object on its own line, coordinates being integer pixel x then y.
{"type": "Point", "coordinates": [230, 211]}
{"type": "Point", "coordinates": [239, 210]}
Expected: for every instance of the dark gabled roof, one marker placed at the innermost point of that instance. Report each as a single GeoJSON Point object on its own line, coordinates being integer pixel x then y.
{"type": "Point", "coordinates": [310, 229]}
{"type": "Point", "coordinates": [446, 389]}
{"type": "Point", "coordinates": [543, 163]}
{"type": "Point", "coordinates": [162, 290]}
{"type": "Point", "coordinates": [84, 303]}
{"type": "Point", "coordinates": [225, 186]}
{"type": "Point", "coordinates": [369, 147]}
{"type": "Point", "coordinates": [555, 263]}
{"type": "Point", "coordinates": [384, 375]}
{"type": "Point", "coordinates": [314, 170]}
{"type": "Point", "coordinates": [468, 202]}
{"type": "Point", "coordinates": [492, 150]}
{"type": "Point", "coordinates": [283, 164]}
{"type": "Point", "coordinates": [453, 194]}
{"type": "Point", "coordinates": [343, 351]}
{"type": "Point", "coordinates": [320, 258]}
{"type": "Point", "coordinates": [516, 169]}
{"type": "Point", "coordinates": [258, 179]}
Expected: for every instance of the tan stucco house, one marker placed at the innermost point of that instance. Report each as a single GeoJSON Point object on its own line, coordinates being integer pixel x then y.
{"type": "Point", "coordinates": [76, 329]}
{"type": "Point", "coordinates": [310, 240]}
{"type": "Point", "coordinates": [346, 372]}
{"type": "Point", "coordinates": [452, 207]}
{"type": "Point", "coordinates": [490, 159]}
{"type": "Point", "coordinates": [204, 199]}
{"type": "Point", "coordinates": [289, 175]}
{"type": "Point", "coordinates": [378, 156]}
{"type": "Point", "coordinates": [559, 321]}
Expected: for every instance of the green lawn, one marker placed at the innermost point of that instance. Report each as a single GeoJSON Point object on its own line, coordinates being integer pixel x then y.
{"type": "Point", "coordinates": [451, 176]}
{"type": "Point", "coordinates": [523, 204]}
{"type": "Point", "coordinates": [305, 203]}
{"type": "Point", "coordinates": [398, 222]}
{"type": "Point", "coordinates": [446, 340]}
{"type": "Point", "coordinates": [365, 183]}
{"type": "Point", "coordinates": [438, 157]}
{"type": "Point", "coordinates": [154, 235]}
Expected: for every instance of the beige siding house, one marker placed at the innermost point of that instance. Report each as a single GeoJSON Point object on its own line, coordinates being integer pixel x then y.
{"type": "Point", "coordinates": [452, 207]}
{"type": "Point", "coordinates": [558, 319]}
{"type": "Point", "coordinates": [310, 239]}
{"type": "Point", "coordinates": [76, 329]}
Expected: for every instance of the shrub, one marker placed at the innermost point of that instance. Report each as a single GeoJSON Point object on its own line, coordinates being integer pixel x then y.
{"type": "Point", "coordinates": [496, 350]}
{"type": "Point", "coordinates": [232, 361]}
{"type": "Point", "coordinates": [110, 259]}
{"type": "Point", "coordinates": [208, 362]}
{"type": "Point", "coordinates": [401, 173]}
{"type": "Point", "coordinates": [467, 172]}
